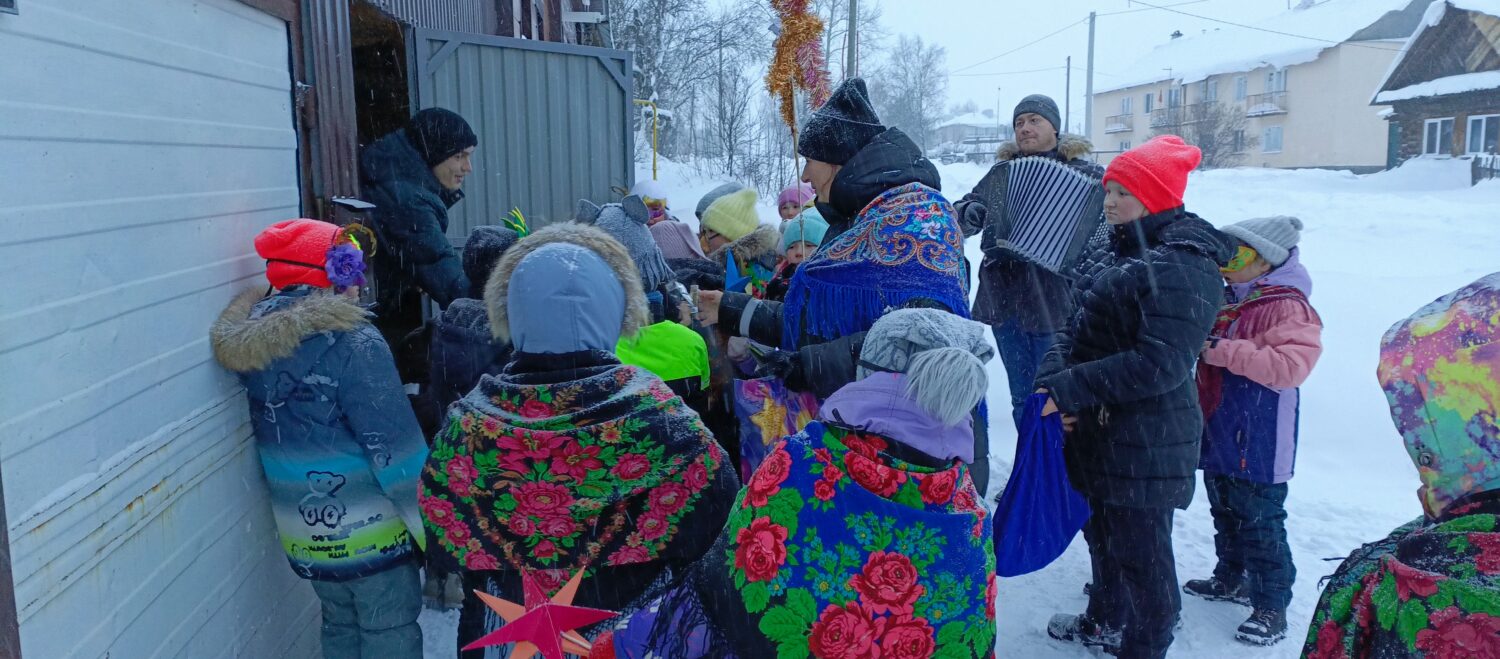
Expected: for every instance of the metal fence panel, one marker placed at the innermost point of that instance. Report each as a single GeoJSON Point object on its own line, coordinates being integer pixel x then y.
{"type": "Point", "coordinates": [553, 122]}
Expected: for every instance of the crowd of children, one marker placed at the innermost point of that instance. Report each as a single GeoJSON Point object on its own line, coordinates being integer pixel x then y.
{"type": "Point", "coordinates": [578, 414]}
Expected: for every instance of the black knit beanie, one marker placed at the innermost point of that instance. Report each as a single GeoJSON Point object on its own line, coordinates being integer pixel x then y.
{"type": "Point", "coordinates": [1042, 105]}
{"type": "Point", "coordinates": [483, 250]}
{"type": "Point", "coordinates": [438, 134]}
{"type": "Point", "coordinates": [843, 126]}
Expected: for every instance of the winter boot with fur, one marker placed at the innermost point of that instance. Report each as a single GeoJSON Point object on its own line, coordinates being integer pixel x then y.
{"type": "Point", "coordinates": [1214, 590]}
{"type": "Point", "coordinates": [1265, 627]}
{"type": "Point", "coordinates": [1083, 630]}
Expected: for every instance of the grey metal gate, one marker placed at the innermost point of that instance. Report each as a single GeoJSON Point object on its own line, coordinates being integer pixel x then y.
{"type": "Point", "coordinates": [554, 121]}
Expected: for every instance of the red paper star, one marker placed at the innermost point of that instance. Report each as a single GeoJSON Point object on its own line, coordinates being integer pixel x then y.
{"type": "Point", "coordinates": [542, 625]}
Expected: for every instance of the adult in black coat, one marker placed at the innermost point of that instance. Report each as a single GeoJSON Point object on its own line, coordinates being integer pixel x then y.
{"type": "Point", "coordinates": [1024, 303]}
{"type": "Point", "coordinates": [462, 348]}
{"type": "Point", "coordinates": [413, 176]}
{"type": "Point", "coordinates": [1122, 375]}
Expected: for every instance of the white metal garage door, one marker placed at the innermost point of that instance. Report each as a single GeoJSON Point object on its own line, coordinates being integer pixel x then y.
{"type": "Point", "coordinates": [142, 145]}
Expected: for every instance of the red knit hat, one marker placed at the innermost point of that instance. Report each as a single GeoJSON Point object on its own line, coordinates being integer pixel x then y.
{"type": "Point", "coordinates": [1156, 172]}
{"type": "Point", "coordinates": [296, 251]}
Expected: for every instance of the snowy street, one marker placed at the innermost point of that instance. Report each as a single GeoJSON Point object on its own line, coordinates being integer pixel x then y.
{"type": "Point", "coordinates": [1379, 247]}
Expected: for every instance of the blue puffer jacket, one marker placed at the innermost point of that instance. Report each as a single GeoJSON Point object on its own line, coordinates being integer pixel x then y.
{"type": "Point", "coordinates": [341, 449]}
{"type": "Point", "coordinates": [411, 221]}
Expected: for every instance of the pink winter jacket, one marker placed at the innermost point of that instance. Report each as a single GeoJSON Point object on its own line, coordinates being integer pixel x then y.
{"type": "Point", "coordinates": [1275, 344]}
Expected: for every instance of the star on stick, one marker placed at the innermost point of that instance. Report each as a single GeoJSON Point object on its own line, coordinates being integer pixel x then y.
{"type": "Point", "coordinates": [542, 625]}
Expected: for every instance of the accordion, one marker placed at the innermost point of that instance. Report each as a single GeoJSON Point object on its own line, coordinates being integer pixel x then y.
{"type": "Point", "coordinates": [1050, 213]}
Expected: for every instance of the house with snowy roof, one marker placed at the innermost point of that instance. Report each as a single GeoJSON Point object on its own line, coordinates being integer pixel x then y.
{"type": "Point", "coordinates": [1287, 92]}
{"type": "Point", "coordinates": [1444, 89]}
{"type": "Point", "coordinates": [971, 137]}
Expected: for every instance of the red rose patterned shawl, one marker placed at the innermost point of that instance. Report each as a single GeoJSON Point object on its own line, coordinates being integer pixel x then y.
{"type": "Point", "coordinates": [606, 468]}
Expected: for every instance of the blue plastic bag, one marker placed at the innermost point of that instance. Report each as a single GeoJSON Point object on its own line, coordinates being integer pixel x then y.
{"type": "Point", "coordinates": [1039, 512]}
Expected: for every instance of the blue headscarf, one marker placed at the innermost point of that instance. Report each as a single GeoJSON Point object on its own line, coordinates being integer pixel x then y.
{"type": "Point", "coordinates": [905, 245]}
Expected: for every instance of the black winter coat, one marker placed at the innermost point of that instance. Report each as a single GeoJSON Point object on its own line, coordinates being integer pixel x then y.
{"type": "Point", "coordinates": [411, 222]}
{"type": "Point", "coordinates": [461, 352]}
{"type": "Point", "coordinates": [1146, 303]}
{"type": "Point", "coordinates": [1012, 288]}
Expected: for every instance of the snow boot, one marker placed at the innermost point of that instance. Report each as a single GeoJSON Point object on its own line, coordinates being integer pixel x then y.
{"type": "Point", "coordinates": [1083, 630]}
{"type": "Point", "coordinates": [1265, 627]}
{"type": "Point", "coordinates": [1214, 590]}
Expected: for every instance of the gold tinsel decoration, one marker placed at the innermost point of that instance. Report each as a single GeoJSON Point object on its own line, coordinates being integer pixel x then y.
{"type": "Point", "coordinates": [799, 61]}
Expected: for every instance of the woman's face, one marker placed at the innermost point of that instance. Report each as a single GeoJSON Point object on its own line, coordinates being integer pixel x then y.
{"type": "Point", "coordinates": [711, 240]}
{"type": "Point", "coordinates": [820, 175]}
{"type": "Point", "coordinates": [789, 211]}
{"type": "Point", "coordinates": [1121, 207]}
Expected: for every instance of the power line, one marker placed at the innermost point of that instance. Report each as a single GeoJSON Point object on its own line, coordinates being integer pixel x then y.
{"type": "Point", "coordinates": [1023, 46]}
{"type": "Point", "coordinates": [1014, 73]}
{"type": "Point", "coordinates": [1132, 11]}
{"type": "Point", "coordinates": [1169, 8]}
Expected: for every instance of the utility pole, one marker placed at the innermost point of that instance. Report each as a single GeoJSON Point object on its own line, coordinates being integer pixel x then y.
{"type": "Point", "coordinates": [1068, 99]}
{"type": "Point", "coordinates": [1088, 85]}
{"type": "Point", "coordinates": [851, 68]}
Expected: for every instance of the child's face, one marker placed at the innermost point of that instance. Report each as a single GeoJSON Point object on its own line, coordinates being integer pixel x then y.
{"type": "Point", "coordinates": [799, 252]}
{"type": "Point", "coordinates": [1252, 272]}
{"type": "Point", "coordinates": [789, 211]}
{"type": "Point", "coordinates": [1121, 207]}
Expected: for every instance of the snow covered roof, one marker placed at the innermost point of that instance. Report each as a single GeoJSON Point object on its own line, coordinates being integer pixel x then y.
{"type": "Point", "coordinates": [1449, 85]}
{"type": "Point", "coordinates": [1231, 48]}
{"type": "Point", "coordinates": [974, 119]}
{"type": "Point", "coordinates": [1466, 82]}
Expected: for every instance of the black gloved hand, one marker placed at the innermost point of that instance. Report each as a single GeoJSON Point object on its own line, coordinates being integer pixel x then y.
{"type": "Point", "coordinates": [779, 364]}
{"type": "Point", "coordinates": [972, 213]}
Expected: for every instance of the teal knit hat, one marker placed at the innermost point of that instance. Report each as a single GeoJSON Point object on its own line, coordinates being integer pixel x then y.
{"type": "Point", "coordinates": [808, 227]}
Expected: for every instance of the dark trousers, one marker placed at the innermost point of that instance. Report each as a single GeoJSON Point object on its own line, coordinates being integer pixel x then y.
{"type": "Point", "coordinates": [1135, 576]}
{"type": "Point", "coordinates": [1022, 353]}
{"type": "Point", "coordinates": [1250, 539]}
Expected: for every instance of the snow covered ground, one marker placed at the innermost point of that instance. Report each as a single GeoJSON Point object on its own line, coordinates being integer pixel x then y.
{"type": "Point", "coordinates": [1379, 247]}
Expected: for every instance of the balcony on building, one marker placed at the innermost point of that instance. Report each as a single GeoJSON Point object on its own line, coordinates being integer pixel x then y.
{"type": "Point", "coordinates": [1120, 123]}
{"type": "Point", "coordinates": [1262, 105]}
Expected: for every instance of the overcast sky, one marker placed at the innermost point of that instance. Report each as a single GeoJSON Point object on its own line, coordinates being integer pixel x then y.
{"type": "Point", "coordinates": [973, 31]}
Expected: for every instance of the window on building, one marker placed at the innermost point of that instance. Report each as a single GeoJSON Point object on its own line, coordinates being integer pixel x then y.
{"type": "Point", "coordinates": [1241, 88]}
{"type": "Point", "coordinates": [1210, 91]}
{"type": "Point", "coordinates": [1124, 145]}
{"type": "Point", "coordinates": [8, 7]}
{"type": "Point", "coordinates": [1276, 81]}
{"type": "Point", "coordinates": [1270, 140]}
{"type": "Point", "coordinates": [1437, 138]}
{"type": "Point", "coordinates": [1150, 101]}
{"type": "Point", "coordinates": [1484, 134]}
{"type": "Point", "coordinates": [1125, 104]}
{"type": "Point", "coordinates": [1174, 97]}
{"type": "Point", "coordinates": [1239, 141]}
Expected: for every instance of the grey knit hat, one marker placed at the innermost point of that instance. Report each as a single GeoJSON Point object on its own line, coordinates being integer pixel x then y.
{"type": "Point", "coordinates": [941, 354]}
{"type": "Point", "coordinates": [627, 223]}
{"type": "Point", "coordinates": [1042, 105]}
{"type": "Point", "coordinates": [1272, 237]}
{"type": "Point", "coordinates": [713, 196]}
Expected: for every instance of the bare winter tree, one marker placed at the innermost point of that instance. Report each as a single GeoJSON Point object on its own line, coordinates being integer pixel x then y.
{"type": "Point", "coordinates": [871, 34]}
{"type": "Point", "coordinates": [911, 88]}
{"type": "Point", "coordinates": [1218, 130]}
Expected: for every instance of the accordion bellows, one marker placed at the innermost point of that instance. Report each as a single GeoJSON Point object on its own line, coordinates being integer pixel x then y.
{"type": "Point", "coordinates": [1049, 213]}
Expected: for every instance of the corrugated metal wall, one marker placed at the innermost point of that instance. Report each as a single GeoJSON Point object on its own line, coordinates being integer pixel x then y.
{"type": "Point", "coordinates": [553, 122]}
{"type": "Point", "coordinates": [331, 125]}
{"type": "Point", "coordinates": [476, 16]}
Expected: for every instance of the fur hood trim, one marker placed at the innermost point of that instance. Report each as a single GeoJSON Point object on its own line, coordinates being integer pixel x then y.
{"type": "Point", "coordinates": [244, 344]}
{"type": "Point", "coordinates": [764, 240]}
{"type": "Point", "coordinates": [497, 292]}
{"type": "Point", "coordinates": [1069, 146]}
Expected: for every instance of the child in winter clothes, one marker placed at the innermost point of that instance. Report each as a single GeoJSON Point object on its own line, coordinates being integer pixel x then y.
{"type": "Point", "coordinates": [799, 239]}
{"type": "Point", "coordinates": [1122, 376]}
{"type": "Point", "coordinates": [1263, 347]}
{"type": "Point", "coordinates": [794, 200]}
{"type": "Point", "coordinates": [339, 443]}
{"type": "Point", "coordinates": [1432, 587]}
{"type": "Point", "coordinates": [570, 460]}
{"type": "Point", "coordinates": [462, 349]}
{"type": "Point", "coordinates": [655, 197]}
{"type": "Point", "coordinates": [861, 536]}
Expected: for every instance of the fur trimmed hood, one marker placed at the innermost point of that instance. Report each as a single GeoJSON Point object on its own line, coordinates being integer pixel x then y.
{"type": "Point", "coordinates": [1069, 146]}
{"type": "Point", "coordinates": [247, 338]}
{"type": "Point", "coordinates": [497, 292]}
{"type": "Point", "coordinates": [765, 240]}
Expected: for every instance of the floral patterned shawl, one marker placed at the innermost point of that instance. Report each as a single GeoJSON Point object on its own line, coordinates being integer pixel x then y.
{"type": "Point", "coordinates": [595, 466]}
{"type": "Point", "coordinates": [835, 549]}
{"type": "Point", "coordinates": [1430, 589]}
